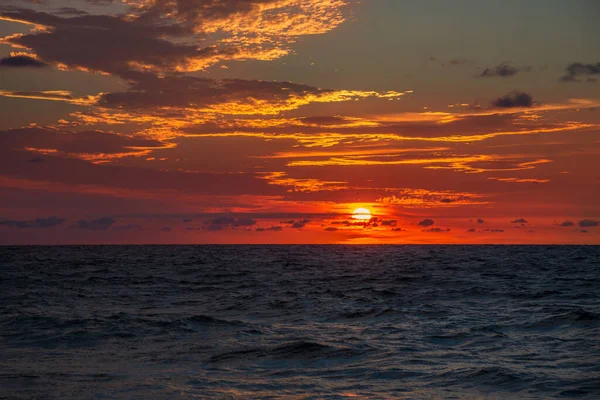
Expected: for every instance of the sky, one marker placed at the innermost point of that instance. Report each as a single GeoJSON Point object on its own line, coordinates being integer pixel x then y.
{"type": "Point", "coordinates": [271, 121]}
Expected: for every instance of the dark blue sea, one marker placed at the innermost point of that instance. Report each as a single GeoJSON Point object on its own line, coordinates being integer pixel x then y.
{"type": "Point", "coordinates": [300, 322]}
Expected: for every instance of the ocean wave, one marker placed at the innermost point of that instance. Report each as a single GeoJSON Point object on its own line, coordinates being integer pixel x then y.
{"type": "Point", "coordinates": [575, 317]}
{"type": "Point", "coordinates": [289, 351]}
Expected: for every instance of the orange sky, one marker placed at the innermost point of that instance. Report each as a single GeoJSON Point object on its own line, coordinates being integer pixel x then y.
{"type": "Point", "coordinates": [264, 121]}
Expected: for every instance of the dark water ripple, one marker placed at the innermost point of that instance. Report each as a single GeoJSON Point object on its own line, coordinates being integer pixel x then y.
{"type": "Point", "coordinates": [322, 322]}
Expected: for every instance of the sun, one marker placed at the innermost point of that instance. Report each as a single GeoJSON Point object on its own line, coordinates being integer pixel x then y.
{"type": "Point", "coordinates": [362, 214]}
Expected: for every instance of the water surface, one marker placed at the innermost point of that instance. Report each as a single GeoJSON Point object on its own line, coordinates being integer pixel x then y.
{"type": "Point", "coordinates": [328, 322]}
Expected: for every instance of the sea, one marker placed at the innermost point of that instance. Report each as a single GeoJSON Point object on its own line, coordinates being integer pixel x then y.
{"type": "Point", "coordinates": [300, 322]}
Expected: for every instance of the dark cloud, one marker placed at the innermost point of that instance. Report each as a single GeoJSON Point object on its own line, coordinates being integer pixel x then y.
{"type": "Point", "coordinates": [197, 12]}
{"type": "Point", "coordinates": [480, 221]}
{"type": "Point", "coordinates": [187, 220]}
{"type": "Point", "coordinates": [73, 174]}
{"type": "Point", "coordinates": [583, 231]}
{"type": "Point", "coordinates": [33, 224]}
{"type": "Point", "coordinates": [493, 230]}
{"type": "Point", "coordinates": [325, 120]}
{"type": "Point", "coordinates": [163, 35]}
{"type": "Point", "coordinates": [372, 223]}
{"type": "Point", "coordinates": [113, 44]}
{"type": "Point", "coordinates": [166, 229]}
{"type": "Point", "coordinates": [392, 222]}
{"type": "Point", "coordinates": [458, 61]}
{"type": "Point", "coordinates": [436, 230]}
{"type": "Point", "coordinates": [227, 221]}
{"type": "Point", "coordinates": [70, 143]}
{"type": "Point", "coordinates": [21, 61]}
{"type": "Point", "coordinates": [519, 221]}
{"type": "Point", "coordinates": [426, 222]}
{"type": "Point", "coordinates": [588, 223]}
{"type": "Point", "coordinates": [452, 61]}
{"type": "Point", "coordinates": [150, 92]}
{"type": "Point", "coordinates": [273, 228]}
{"type": "Point", "coordinates": [512, 100]}
{"type": "Point", "coordinates": [576, 71]}
{"type": "Point", "coordinates": [70, 11]}
{"type": "Point", "coordinates": [566, 223]}
{"type": "Point", "coordinates": [99, 224]}
{"type": "Point", "coordinates": [300, 224]}
{"type": "Point", "coordinates": [503, 70]}
{"type": "Point", "coordinates": [397, 230]}
{"type": "Point", "coordinates": [331, 229]}
{"type": "Point", "coordinates": [128, 227]}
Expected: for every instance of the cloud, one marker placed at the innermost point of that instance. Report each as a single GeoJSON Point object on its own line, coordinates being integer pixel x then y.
{"type": "Point", "coordinates": [398, 230]}
{"type": "Point", "coordinates": [437, 230]}
{"type": "Point", "coordinates": [588, 223]}
{"type": "Point", "coordinates": [431, 198]}
{"type": "Point", "coordinates": [480, 221]}
{"type": "Point", "coordinates": [307, 185]}
{"type": "Point", "coordinates": [166, 229]}
{"type": "Point", "coordinates": [426, 222]}
{"type": "Point", "coordinates": [38, 223]}
{"type": "Point", "coordinates": [372, 223]}
{"type": "Point", "coordinates": [99, 224]}
{"type": "Point", "coordinates": [451, 62]}
{"type": "Point", "coordinates": [566, 223]}
{"type": "Point", "coordinates": [326, 120]}
{"type": "Point", "coordinates": [331, 229]}
{"type": "Point", "coordinates": [300, 224]}
{"type": "Point", "coordinates": [576, 71]}
{"type": "Point", "coordinates": [128, 227]}
{"type": "Point", "coordinates": [86, 145]}
{"type": "Point", "coordinates": [170, 36]}
{"type": "Point", "coordinates": [195, 97]}
{"type": "Point", "coordinates": [227, 221]}
{"type": "Point", "coordinates": [51, 95]}
{"type": "Point", "coordinates": [273, 228]}
{"type": "Point", "coordinates": [519, 180]}
{"type": "Point", "coordinates": [133, 44]}
{"type": "Point", "coordinates": [21, 61]}
{"type": "Point", "coordinates": [513, 100]}
{"type": "Point", "coordinates": [519, 221]}
{"type": "Point", "coordinates": [392, 222]}
{"type": "Point", "coordinates": [503, 70]}
{"type": "Point", "coordinates": [493, 230]}
{"type": "Point", "coordinates": [257, 28]}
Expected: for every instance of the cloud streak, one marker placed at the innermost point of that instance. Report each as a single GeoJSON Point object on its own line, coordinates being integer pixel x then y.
{"type": "Point", "coordinates": [38, 223]}
{"type": "Point", "coordinates": [503, 70]}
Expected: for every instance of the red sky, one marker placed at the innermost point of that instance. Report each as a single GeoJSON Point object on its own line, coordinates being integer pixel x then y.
{"type": "Point", "coordinates": [270, 121]}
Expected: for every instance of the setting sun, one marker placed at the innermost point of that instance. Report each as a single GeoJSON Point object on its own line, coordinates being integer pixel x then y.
{"type": "Point", "coordinates": [362, 214]}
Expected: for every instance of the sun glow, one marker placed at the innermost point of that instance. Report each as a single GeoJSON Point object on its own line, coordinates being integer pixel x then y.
{"type": "Point", "coordinates": [362, 214]}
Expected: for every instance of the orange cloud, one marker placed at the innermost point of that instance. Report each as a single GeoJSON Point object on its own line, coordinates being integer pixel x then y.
{"type": "Point", "coordinates": [421, 198]}
{"type": "Point", "coordinates": [302, 185]}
